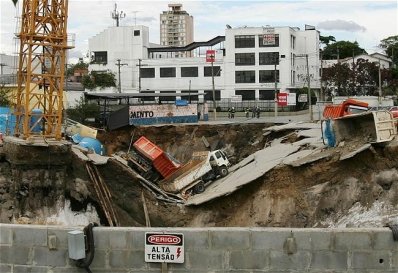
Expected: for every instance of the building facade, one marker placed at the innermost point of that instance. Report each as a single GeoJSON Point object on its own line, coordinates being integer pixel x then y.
{"type": "Point", "coordinates": [247, 59]}
{"type": "Point", "coordinates": [176, 27]}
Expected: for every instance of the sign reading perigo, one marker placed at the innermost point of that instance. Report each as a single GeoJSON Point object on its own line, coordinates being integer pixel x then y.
{"type": "Point", "coordinates": [164, 248]}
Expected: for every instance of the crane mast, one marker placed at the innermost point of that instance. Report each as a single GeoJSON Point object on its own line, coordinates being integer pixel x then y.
{"type": "Point", "coordinates": [41, 72]}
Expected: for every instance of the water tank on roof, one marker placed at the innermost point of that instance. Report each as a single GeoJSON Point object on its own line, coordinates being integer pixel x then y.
{"type": "Point", "coordinates": [92, 144]}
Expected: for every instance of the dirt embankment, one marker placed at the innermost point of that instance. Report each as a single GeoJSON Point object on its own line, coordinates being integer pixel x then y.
{"type": "Point", "coordinates": [328, 192]}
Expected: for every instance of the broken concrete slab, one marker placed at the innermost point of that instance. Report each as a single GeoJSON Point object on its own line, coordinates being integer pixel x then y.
{"type": "Point", "coordinates": [289, 160]}
{"type": "Point", "coordinates": [264, 161]}
{"type": "Point", "coordinates": [355, 152]}
{"type": "Point", "coordinates": [314, 156]}
{"type": "Point", "coordinates": [98, 159]}
{"type": "Point", "coordinates": [293, 126]}
{"type": "Point", "coordinates": [315, 133]}
{"type": "Point", "coordinates": [79, 153]}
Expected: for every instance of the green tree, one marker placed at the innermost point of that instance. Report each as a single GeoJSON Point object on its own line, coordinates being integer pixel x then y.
{"type": "Point", "coordinates": [326, 40]}
{"type": "Point", "coordinates": [390, 46]}
{"type": "Point", "coordinates": [83, 111]}
{"type": "Point", "coordinates": [337, 79]}
{"type": "Point", "coordinates": [4, 96]}
{"type": "Point", "coordinates": [80, 65]}
{"type": "Point", "coordinates": [341, 50]}
{"type": "Point", "coordinates": [99, 79]}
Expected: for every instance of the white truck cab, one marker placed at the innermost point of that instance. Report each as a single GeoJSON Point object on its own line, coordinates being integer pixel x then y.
{"type": "Point", "coordinates": [218, 160]}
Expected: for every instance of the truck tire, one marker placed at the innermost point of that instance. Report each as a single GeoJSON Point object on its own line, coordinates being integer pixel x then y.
{"type": "Point", "coordinates": [199, 188]}
{"type": "Point", "coordinates": [223, 171]}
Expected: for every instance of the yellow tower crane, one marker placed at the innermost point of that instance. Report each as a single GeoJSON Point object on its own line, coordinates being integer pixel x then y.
{"type": "Point", "coordinates": [43, 44]}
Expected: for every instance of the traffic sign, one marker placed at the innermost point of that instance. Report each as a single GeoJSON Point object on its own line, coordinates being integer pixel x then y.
{"type": "Point", "coordinates": [210, 56]}
{"type": "Point", "coordinates": [164, 247]}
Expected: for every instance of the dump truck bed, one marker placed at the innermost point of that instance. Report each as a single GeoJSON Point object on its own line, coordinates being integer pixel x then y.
{"type": "Point", "coordinates": [160, 160]}
{"type": "Point", "coordinates": [368, 127]}
{"type": "Point", "coordinates": [198, 166]}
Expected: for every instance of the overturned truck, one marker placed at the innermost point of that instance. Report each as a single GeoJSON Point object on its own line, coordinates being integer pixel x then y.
{"type": "Point", "coordinates": [367, 127]}
{"type": "Point", "coordinates": [160, 168]}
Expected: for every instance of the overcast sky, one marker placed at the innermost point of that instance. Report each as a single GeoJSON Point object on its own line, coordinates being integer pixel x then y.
{"type": "Point", "coordinates": [366, 22]}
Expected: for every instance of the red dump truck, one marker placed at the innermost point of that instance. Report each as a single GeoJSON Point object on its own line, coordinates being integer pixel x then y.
{"type": "Point", "coordinates": [352, 121]}
{"type": "Point", "coordinates": [151, 161]}
{"type": "Point", "coordinates": [347, 107]}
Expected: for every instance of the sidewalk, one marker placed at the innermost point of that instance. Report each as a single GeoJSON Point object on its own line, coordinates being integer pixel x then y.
{"type": "Point", "coordinates": [265, 117]}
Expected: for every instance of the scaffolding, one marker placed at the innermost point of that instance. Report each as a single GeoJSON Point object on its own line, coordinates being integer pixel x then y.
{"type": "Point", "coordinates": [43, 43]}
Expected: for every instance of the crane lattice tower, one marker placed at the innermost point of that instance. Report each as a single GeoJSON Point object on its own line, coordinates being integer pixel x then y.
{"type": "Point", "coordinates": [43, 44]}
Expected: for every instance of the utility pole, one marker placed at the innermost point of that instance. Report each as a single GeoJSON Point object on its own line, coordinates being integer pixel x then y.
{"type": "Point", "coordinates": [116, 15]}
{"type": "Point", "coordinates": [214, 91]}
{"type": "Point", "coordinates": [118, 67]}
{"type": "Point", "coordinates": [308, 82]}
{"type": "Point", "coordinates": [309, 87]}
{"type": "Point", "coordinates": [189, 90]}
{"type": "Point", "coordinates": [139, 75]}
{"type": "Point", "coordinates": [276, 85]}
{"type": "Point", "coordinates": [321, 74]}
{"type": "Point", "coordinates": [380, 94]}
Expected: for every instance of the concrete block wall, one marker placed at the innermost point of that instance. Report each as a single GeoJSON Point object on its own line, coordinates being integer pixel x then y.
{"type": "Point", "coordinates": [25, 248]}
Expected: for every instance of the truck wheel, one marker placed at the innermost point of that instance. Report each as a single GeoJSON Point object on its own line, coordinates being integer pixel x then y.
{"type": "Point", "coordinates": [199, 188]}
{"type": "Point", "coordinates": [223, 171]}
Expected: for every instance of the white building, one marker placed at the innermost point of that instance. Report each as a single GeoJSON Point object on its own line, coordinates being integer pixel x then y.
{"type": "Point", "coordinates": [8, 69]}
{"type": "Point", "coordinates": [385, 61]}
{"type": "Point", "coordinates": [244, 63]}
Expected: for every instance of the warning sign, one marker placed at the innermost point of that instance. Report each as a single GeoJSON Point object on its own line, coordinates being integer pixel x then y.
{"type": "Point", "coordinates": [164, 248]}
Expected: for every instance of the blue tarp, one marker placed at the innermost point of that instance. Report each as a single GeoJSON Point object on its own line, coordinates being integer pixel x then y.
{"type": "Point", "coordinates": [7, 121]}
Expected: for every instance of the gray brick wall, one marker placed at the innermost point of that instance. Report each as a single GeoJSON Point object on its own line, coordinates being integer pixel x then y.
{"type": "Point", "coordinates": [26, 248]}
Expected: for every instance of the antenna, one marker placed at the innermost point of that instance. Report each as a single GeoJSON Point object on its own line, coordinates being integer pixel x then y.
{"type": "Point", "coordinates": [116, 15]}
{"type": "Point", "coordinates": [135, 16]}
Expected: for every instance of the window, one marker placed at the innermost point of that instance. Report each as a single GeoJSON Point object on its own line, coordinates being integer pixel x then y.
{"type": "Point", "coordinates": [147, 72]}
{"type": "Point", "coordinates": [189, 95]}
{"type": "Point", "coordinates": [167, 72]}
{"type": "Point", "coordinates": [267, 42]}
{"type": "Point", "coordinates": [167, 98]}
{"type": "Point", "coordinates": [136, 33]}
{"type": "Point", "coordinates": [216, 71]}
{"type": "Point", "coordinates": [149, 98]}
{"type": "Point", "coordinates": [209, 95]}
{"type": "Point", "coordinates": [246, 94]}
{"type": "Point", "coordinates": [245, 76]}
{"type": "Point", "coordinates": [244, 59]}
{"type": "Point", "coordinates": [268, 76]}
{"type": "Point", "coordinates": [292, 41]}
{"type": "Point", "coordinates": [100, 57]}
{"type": "Point", "coordinates": [268, 58]}
{"type": "Point", "coordinates": [244, 41]}
{"type": "Point", "coordinates": [267, 94]}
{"type": "Point", "coordinates": [189, 71]}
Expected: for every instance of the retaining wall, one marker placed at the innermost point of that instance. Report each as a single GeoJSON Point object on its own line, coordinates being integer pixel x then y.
{"type": "Point", "coordinates": [26, 248]}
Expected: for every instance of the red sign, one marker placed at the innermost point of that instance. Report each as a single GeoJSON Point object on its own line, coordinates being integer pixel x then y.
{"type": "Point", "coordinates": [282, 99]}
{"type": "Point", "coordinates": [210, 56]}
{"type": "Point", "coordinates": [164, 239]}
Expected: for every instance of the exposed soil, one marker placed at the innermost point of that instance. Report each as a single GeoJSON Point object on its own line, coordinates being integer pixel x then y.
{"type": "Point", "coordinates": [320, 194]}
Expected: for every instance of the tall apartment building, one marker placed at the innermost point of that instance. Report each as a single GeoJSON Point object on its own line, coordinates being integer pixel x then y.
{"type": "Point", "coordinates": [176, 26]}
